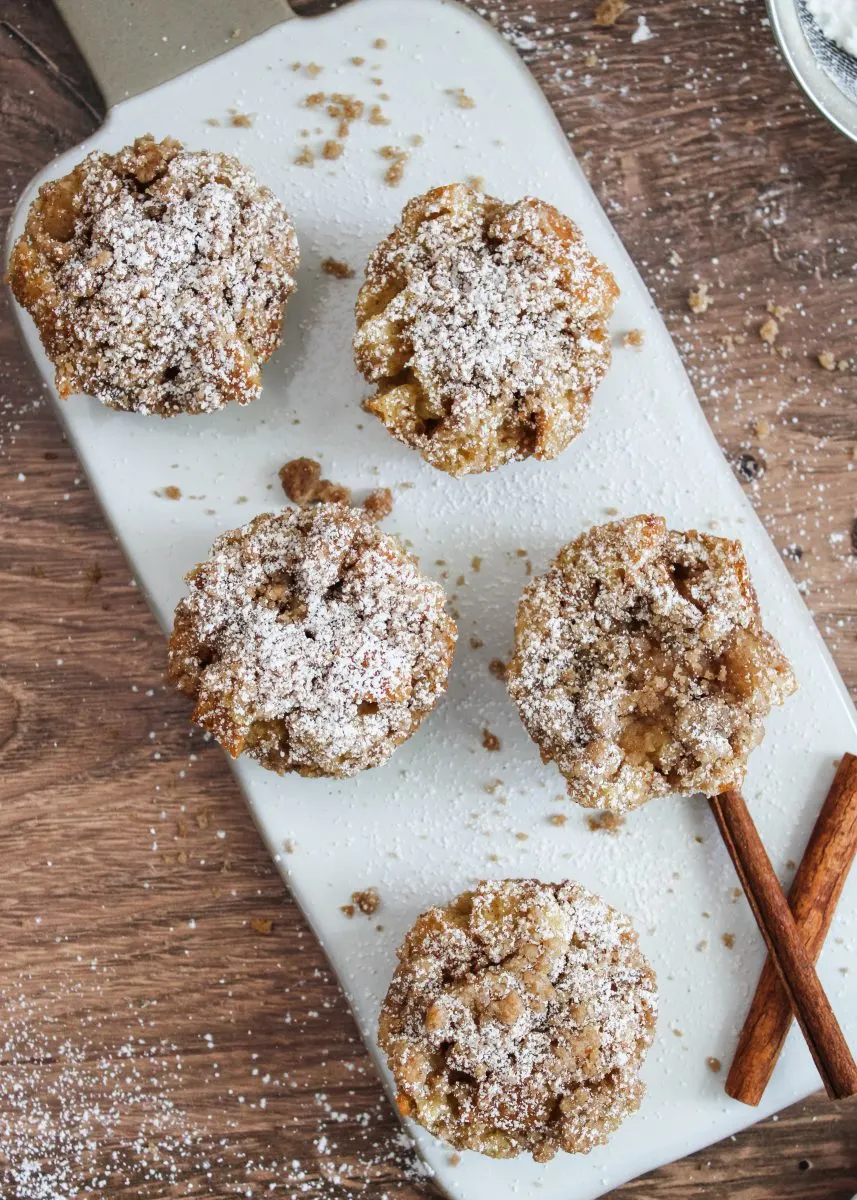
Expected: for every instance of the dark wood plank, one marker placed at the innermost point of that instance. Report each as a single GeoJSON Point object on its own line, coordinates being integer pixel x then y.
{"type": "Point", "coordinates": [133, 874]}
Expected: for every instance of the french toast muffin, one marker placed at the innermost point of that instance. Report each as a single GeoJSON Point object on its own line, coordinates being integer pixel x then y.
{"type": "Point", "coordinates": [157, 277]}
{"type": "Point", "coordinates": [483, 326]}
{"type": "Point", "coordinates": [518, 1019]}
{"type": "Point", "coordinates": [641, 666]}
{"type": "Point", "coordinates": [311, 641]}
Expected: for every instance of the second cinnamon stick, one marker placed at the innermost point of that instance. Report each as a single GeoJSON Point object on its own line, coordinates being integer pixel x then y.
{"type": "Point", "coordinates": [813, 898]}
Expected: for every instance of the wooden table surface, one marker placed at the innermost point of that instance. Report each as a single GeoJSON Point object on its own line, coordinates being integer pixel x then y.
{"type": "Point", "coordinates": [162, 1003]}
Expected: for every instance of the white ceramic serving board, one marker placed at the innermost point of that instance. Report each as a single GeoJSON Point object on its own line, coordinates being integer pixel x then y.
{"type": "Point", "coordinates": [423, 827]}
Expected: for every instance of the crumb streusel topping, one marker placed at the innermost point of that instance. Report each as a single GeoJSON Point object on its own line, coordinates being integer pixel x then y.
{"type": "Point", "coordinates": [484, 326]}
{"type": "Point", "coordinates": [157, 277]}
{"type": "Point", "coordinates": [518, 1019]}
{"type": "Point", "coordinates": [641, 666]}
{"type": "Point", "coordinates": [311, 641]}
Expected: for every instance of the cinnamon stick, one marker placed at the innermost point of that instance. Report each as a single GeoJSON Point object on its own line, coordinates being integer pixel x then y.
{"type": "Point", "coordinates": [806, 996]}
{"type": "Point", "coordinates": [813, 898]}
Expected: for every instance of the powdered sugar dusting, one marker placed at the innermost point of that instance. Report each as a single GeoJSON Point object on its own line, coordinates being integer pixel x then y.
{"type": "Point", "coordinates": [311, 640]}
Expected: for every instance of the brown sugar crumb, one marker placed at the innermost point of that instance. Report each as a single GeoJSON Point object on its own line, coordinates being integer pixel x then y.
{"type": "Point", "coordinates": [761, 429]}
{"type": "Point", "coordinates": [728, 940]}
{"type": "Point", "coordinates": [558, 819]}
{"type": "Point", "coordinates": [634, 337]}
{"type": "Point", "coordinates": [241, 120]}
{"type": "Point", "coordinates": [608, 12]}
{"type": "Point", "coordinates": [305, 157]}
{"type": "Point", "coordinates": [522, 837]}
{"type": "Point", "coordinates": [170, 492]}
{"type": "Point", "coordinates": [827, 360]}
{"type": "Point", "coordinates": [376, 116]}
{"type": "Point", "coordinates": [348, 909]}
{"type": "Point", "coordinates": [380, 43]}
{"type": "Point", "coordinates": [337, 268]}
{"type": "Point", "coordinates": [777, 311]}
{"type": "Point", "coordinates": [332, 149]}
{"type": "Point", "coordinates": [397, 158]}
{"type": "Point", "coordinates": [300, 479]}
{"type": "Point", "coordinates": [378, 504]}
{"type": "Point", "coordinates": [461, 97]}
{"type": "Point", "coordinates": [714, 1064]}
{"type": "Point", "coordinates": [368, 901]}
{"type": "Point", "coordinates": [497, 668]}
{"type": "Point", "coordinates": [212, 121]}
{"type": "Point", "coordinates": [453, 1159]}
{"type": "Point", "coordinates": [344, 109]}
{"type": "Point", "coordinates": [490, 741]}
{"type": "Point", "coordinates": [609, 821]}
{"type": "Point", "coordinates": [476, 643]}
{"type": "Point", "coordinates": [262, 925]}
{"type": "Point", "coordinates": [313, 70]}
{"type": "Point", "coordinates": [476, 563]}
{"type": "Point", "coordinates": [699, 299]}
{"type": "Point", "coordinates": [314, 100]}
{"type": "Point", "coordinates": [417, 139]}
{"type": "Point", "coordinates": [769, 331]}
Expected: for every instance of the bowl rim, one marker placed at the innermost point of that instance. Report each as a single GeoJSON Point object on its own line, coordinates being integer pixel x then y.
{"type": "Point", "coordinates": [813, 80]}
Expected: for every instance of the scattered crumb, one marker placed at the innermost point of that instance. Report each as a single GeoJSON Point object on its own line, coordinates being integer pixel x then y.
{"type": "Point", "coordinates": [476, 643]}
{"type": "Point", "coordinates": [761, 429]}
{"type": "Point", "coordinates": [332, 149]}
{"type": "Point", "coordinates": [263, 925]}
{"type": "Point", "coordinates": [397, 158]}
{"type": "Point", "coordinates": [170, 492]}
{"type": "Point", "coordinates": [827, 360]}
{"type": "Point", "coordinates": [453, 1159]}
{"type": "Point", "coordinates": [461, 97]}
{"type": "Point", "coordinates": [557, 819]}
{"type": "Point", "coordinates": [769, 331]}
{"type": "Point", "coordinates": [300, 479]}
{"type": "Point", "coordinates": [634, 337]}
{"type": "Point", "coordinates": [313, 70]}
{"type": "Point", "coordinates": [379, 504]}
{"type": "Point", "coordinates": [678, 1033]}
{"type": "Point", "coordinates": [305, 157]}
{"type": "Point", "coordinates": [241, 120]}
{"type": "Point", "coordinates": [703, 945]}
{"type": "Point", "coordinates": [376, 116]}
{"type": "Point", "coordinates": [367, 901]}
{"type": "Point", "coordinates": [490, 741]}
{"type": "Point", "coordinates": [417, 139]}
{"type": "Point", "coordinates": [348, 909]}
{"type": "Point", "coordinates": [777, 311]}
{"type": "Point", "coordinates": [358, 60]}
{"type": "Point", "coordinates": [699, 299]}
{"type": "Point", "coordinates": [212, 121]}
{"type": "Point", "coordinates": [337, 268]}
{"type": "Point", "coordinates": [609, 821]}
{"type": "Point", "coordinates": [608, 12]}
{"type": "Point", "coordinates": [728, 940]}
{"type": "Point", "coordinates": [522, 837]}
{"type": "Point", "coordinates": [713, 1064]}
{"type": "Point", "coordinates": [289, 845]}
{"type": "Point", "coordinates": [380, 43]}
{"type": "Point", "coordinates": [497, 668]}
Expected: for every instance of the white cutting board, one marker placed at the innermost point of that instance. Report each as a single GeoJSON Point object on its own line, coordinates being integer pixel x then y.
{"type": "Point", "coordinates": [422, 827]}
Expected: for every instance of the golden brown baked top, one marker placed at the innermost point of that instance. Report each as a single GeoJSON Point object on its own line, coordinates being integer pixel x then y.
{"type": "Point", "coordinates": [518, 1019]}
{"type": "Point", "coordinates": [157, 277]}
{"type": "Point", "coordinates": [484, 326]}
{"type": "Point", "coordinates": [311, 641]}
{"type": "Point", "coordinates": [641, 666]}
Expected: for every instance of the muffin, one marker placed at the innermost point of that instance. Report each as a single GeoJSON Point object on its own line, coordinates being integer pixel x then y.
{"type": "Point", "coordinates": [311, 641]}
{"type": "Point", "coordinates": [484, 327]}
{"type": "Point", "coordinates": [641, 666]}
{"type": "Point", "coordinates": [518, 1019]}
{"type": "Point", "coordinates": [157, 278]}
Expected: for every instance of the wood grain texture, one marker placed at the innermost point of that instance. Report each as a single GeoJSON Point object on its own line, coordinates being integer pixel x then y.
{"type": "Point", "coordinates": [137, 894]}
